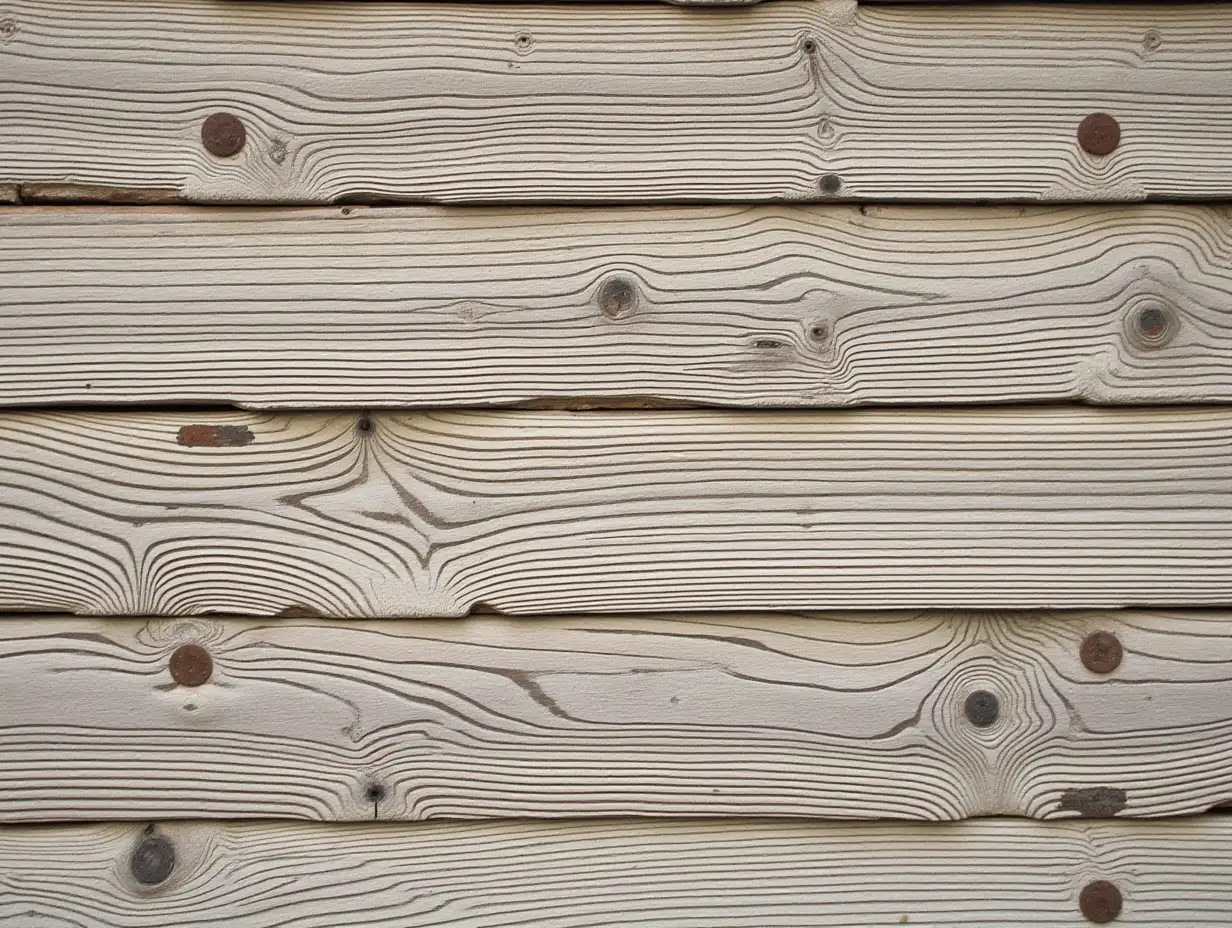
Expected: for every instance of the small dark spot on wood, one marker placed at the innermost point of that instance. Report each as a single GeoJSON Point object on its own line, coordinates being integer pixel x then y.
{"type": "Point", "coordinates": [831, 183]}
{"type": "Point", "coordinates": [364, 425]}
{"type": "Point", "coordinates": [152, 860]}
{"type": "Point", "coordinates": [768, 344]}
{"type": "Point", "coordinates": [1093, 802]}
{"type": "Point", "coordinates": [375, 792]}
{"type": "Point", "coordinates": [215, 436]}
{"type": "Point", "coordinates": [617, 297]}
{"type": "Point", "coordinates": [810, 46]}
{"type": "Point", "coordinates": [820, 332]}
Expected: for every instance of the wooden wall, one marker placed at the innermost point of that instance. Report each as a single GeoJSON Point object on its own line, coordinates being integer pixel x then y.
{"type": "Point", "coordinates": [567, 464]}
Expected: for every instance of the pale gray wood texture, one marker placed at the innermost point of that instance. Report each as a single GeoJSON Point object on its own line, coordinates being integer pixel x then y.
{"type": "Point", "coordinates": [434, 514]}
{"type": "Point", "coordinates": [837, 715]}
{"type": "Point", "coordinates": [584, 874]}
{"type": "Point", "coordinates": [801, 99]}
{"type": "Point", "coordinates": [826, 306]}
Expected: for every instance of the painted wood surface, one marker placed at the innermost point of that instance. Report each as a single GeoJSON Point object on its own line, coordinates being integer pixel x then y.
{"type": "Point", "coordinates": [438, 514]}
{"type": "Point", "coordinates": [836, 715]}
{"type": "Point", "coordinates": [825, 306]}
{"type": "Point", "coordinates": [795, 100]}
{"type": "Point", "coordinates": [575, 875]}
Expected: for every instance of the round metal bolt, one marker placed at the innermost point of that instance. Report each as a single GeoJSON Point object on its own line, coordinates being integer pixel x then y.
{"type": "Point", "coordinates": [1099, 902]}
{"type": "Point", "coordinates": [152, 861]}
{"type": "Point", "coordinates": [831, 183]}
{"type": "Point", "coordinates": [223, 135]}
{"type": "Point", "coordinates": [1153, 326]}
{"type": "Point", "coordinates": [1099, 134]}
{"type": "Point", "coordinates": [190, 665]}
{"type": "Point", "coordinates": [982, 708]}
{"type": "Point", "coordinates": [617, 297]}
{"type": "Point", "coordinates": [1101, 652]}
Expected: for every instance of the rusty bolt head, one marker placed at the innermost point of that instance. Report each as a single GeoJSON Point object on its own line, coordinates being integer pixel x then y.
{"type": "Point", "coordinates": [1100, 652]}
{"type": "Point", "coordinates": [1099, 134]}
{"type": "Point", "coordinates": [152, 861]}
{"type": "Point", "coordinates": [191, 665]}
{"type": "Point", "coordinates": [1099, 902]}
{"type": "Point", "coordinates": [982, 708]}
{"type": "Point", "coordinates": [223, 135]}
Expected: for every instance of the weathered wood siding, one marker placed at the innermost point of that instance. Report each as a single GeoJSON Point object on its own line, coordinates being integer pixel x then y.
{"type": "Point", "coordinates": [789, 100]}
{"type": "Point", "coordinates": [726, 305]}
{"type": "Point", "coordinates": [576, 875]}
{"type": "Point", "coordinates": [855, 528]}
{"type": "Point", "coordinates": [834, 715]}
{"type": "Point", "coordinates": [439, 513]}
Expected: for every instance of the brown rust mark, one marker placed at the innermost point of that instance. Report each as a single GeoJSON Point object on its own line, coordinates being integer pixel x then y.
{"type": "Point", "coordinates": [1093, 801]}
{"type": "Point", "coordinates": [214, 436]}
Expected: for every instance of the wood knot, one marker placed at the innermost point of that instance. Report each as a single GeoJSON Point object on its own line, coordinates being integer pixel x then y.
{"type": "Point", "coordinates": [617, 297]}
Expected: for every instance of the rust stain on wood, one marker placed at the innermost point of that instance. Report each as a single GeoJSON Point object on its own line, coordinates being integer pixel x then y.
{"type": "Point", "coordinates": [215, 436]}
{"type": "Point", "coordinates": [1093, 802]}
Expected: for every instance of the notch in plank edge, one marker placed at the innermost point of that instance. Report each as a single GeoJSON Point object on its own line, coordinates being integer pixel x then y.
{"type": "Point", "coordinates": [834, 715]}
{"type": "Point", "coordinates": [428, 514]}
{"type": "Point", "coordinates": [727, 306]}
{"type": "Point", "coordinates": [787, 122]}
{"type": "Point", "coordinates": [723, 874]}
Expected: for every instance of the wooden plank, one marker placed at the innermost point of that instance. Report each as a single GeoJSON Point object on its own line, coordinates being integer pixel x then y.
{"type": "Point", "coordinates": [577, 874]}
{"type": "Point", "coordinates": [752, 306]}
{"type": "Point", "coordinates": [436, 514]}
{"type": "Point", "coordinates": [835, 715]}
{"type": "Point", "coordinates": [796, 100]}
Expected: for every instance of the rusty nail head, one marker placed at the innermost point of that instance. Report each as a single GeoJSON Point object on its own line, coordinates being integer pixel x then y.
{"type": "Point", "coordinates": [191, 665]}
{"type": "Point", "coordinates": [1101, 652]}
{"type": "Point", "coordinates": [223, 134]}
{"type": "Point", "coordinates": [982, 708]}
{"type": "Point", "coordinates": [1099, 134]}
{"type": "Point", "coordinates": [1100, 902]}
{"type": "Point", "coordinates": [152, 861]}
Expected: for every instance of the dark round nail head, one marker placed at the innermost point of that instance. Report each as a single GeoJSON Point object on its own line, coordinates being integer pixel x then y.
{"type": "Point", "coordinates": [152, 861]}
{"type": "Point", "coordinates": [1153, 326]}
{"type": "Point", "coordinates": [617, 297]}
{"type": "Point", "coordinates": [1101, 652]}
{"type": "Point", "coordinates": [982, 708]}
{"type": "Point", "coordinates": [1099, 134]}
{"type": "Point", "coordinates": [190, 665]}
{"type": "Point", "coordinates": [1099, 902]}
{"type": "Point", "coordinates": [223, 135]}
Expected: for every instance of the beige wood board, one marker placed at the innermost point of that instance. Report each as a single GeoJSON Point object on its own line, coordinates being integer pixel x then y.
{"type": "Point", "coordinates": [660, 874]}
{"type": "Point", "coordinates": [526, 512]}
{"type": "Point", "coordinates": [838, 715]}
{"type": "Point", "coordinates": [794, 100]}
{"type": "Point", "coordinates": [740, 306]}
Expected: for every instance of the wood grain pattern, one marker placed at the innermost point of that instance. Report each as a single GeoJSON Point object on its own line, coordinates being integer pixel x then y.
{"type": "Point", "coordinates": [582, 874]}
{"type": "Point", "coordinates": [835, 715]}
{"type": "Point", "coordinates": [436, 514]}
{"type": "Point", "coordinates": [792, 100]}
{"type": "Point", "coordinates": [752, 306]}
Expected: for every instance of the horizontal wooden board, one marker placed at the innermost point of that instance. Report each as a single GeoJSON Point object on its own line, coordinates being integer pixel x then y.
{"type": "Point", "coordinates": [771, 305]}
{"type": "Point", "coordinates": [582, 874]}
{"type": "Point", "coordinates": [836, 715]}
{"type": "Point", "coordinates": [438, 514]}
{"type": "Point", "coordinates": [796, 100]}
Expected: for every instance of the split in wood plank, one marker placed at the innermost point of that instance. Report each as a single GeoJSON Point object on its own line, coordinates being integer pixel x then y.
{"type": "Point", "coordinates": [441, 513]}
{"type": "Point", "coordinates": [742, 306]}
{"type": "Point", "coordinates": [792, 100]}
{"type": "Point", "coordinates": [657, 874]}
{"type": "Point", "coordinates": [838, 715]}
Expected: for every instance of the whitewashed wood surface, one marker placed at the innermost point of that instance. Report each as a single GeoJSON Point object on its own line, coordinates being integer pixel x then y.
{"type": "Point", "coordinates": [602, 102]}
{"type": "Point", "coordinates": [834, 715]}
{"type": "Point", "coordinates": [825, 306]}
{"type": "Point", "coordinates": [734, 874]}
{"type": "Point", "coordinates": [525, 512]}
